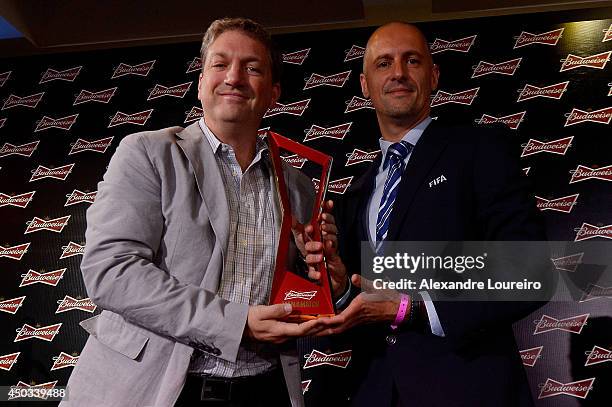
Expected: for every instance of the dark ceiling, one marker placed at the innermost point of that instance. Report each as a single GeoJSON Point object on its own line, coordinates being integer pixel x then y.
{"type": "Point", "coordinates": [71, 25]}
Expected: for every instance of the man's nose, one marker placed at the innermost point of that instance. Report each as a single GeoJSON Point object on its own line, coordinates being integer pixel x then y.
{"type": "Point", "coordinates": [400, 70]}
{"type": "Point", "coordinates": [234, 75]}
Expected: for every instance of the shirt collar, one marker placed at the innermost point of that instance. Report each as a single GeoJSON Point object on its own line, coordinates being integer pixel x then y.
{"type": "Point", "coordinates": [412, 136]}
{"type": "Point", "coordinates": [261, 148]}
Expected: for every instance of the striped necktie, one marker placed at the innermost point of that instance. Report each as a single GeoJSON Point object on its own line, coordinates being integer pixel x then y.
{"type": "Point", "coordinates": [394, 160]}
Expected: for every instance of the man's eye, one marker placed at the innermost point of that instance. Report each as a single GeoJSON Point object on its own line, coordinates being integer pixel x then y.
{"type": "Point", "coordinates": [413, 61]}
{"type": "Point", "coordinates": [383, 64]}
{"type": "Point", "coordinates": [218, 65]}
{"type": "Point", "coordinates": [253, 69]}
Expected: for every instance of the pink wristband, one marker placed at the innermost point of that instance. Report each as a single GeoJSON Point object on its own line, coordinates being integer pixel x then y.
{"type": "Point", "coordinates": [401, 311]}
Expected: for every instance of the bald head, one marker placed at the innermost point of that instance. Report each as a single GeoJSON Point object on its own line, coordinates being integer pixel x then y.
{"type": "Point", "coordinates": [396, 27]}
{"type": "Point", "coordinates": [398, 76]}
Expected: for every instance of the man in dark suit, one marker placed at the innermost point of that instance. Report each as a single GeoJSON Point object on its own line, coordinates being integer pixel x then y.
{"type": "Point", "coordinates": [431, 183]}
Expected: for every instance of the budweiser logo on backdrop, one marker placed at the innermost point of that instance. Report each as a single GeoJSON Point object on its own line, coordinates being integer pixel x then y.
{"type": "Point", "coordinates": [460, 45]}
{"type": "Point", "coordinates": [196, 113]}
{"type": "Point", "coordinates": [513, 121]}
{"type": "Point", "coordinates": [597, 61]}
{"type": "Point", "coordinates": [296, 57]}
{"type": "Point", "coordinates": [99, 146]}
{"type": "Point", "coordinates": [552, 91]}
{"type": "Point", "coordinates": [465, 97]}
{"type": "Point", "coordinates": [4, 77]}
{"type": "Point", "coordinates": [2, 121]}
{"type": "Point", "coordinates": [60, 173]}
{"type": "Point", "coordinates": [64, 123]}
{"type": "Point", "coordinates": [176, 91]}
{"type": "Point", "coordinates": [43, 390]}
{"type": "Point", "coordinates": [77, 196]}
{"type": "Point", "coordinates": [7, 361]}
{"type": "Point", "coordinates": [526, 170]}
{"type": "Point", "coordinates": [579, 389]}
{"type": "Point", "coordinates": [573, 324]}
{"type": "Point", "coordinates": [20, 201]}
{"type": "Point", "coordinates": [502, 68]}
{"type": "Point", "coordinates": [559, 146]}
{"type": "Point", "coordinates": [64, 360]}
{"type": "Point", "coordinates": [25, 150]}
{"type": "Point", "coordinates": [336, 132]}
{"type": "Point", "coordinates": [295, 108]}
{"type": "Point", "coordinates": [72, 249]}
{"type": "Point", "coordinates": [339, 359]}
{"type": "Point", "coordinates": [51, 278]}
{"type": "Point", "coordinates": [357, 103]}
{"type": "Point", "coordinates": [568, 263]}
{"type": "Point", "coordinates": [69, 303]}
{"type": "Point", "coordinates": [564, 204]}
{"type": "Point", "coordinates": [606, 37]}
{"type": "Point", "coordinates": [302, 295]}
{"type": "Point", "coordinates": [531, 356]}
{"type": "Point", "coordinates": [582, 173]}
{"type": "Point", "coordinates": [306, 385]}
{"type": "Point", "coordinates": [355, 52]}
{"type": "Point", "coordinates": [102, 96]}
{"type": "Point", "coordinates": [54, 225]}
{"type": "Point", "coordinates": [337, 80]}
{"type": "Point", "coordinates": [46, 333]}
{"type": "Point", "coordinates": [11, 306]}
{"type": "Point", "coordinates": [194, 65]}
{"type": "Point", "coordinates": [68, 75]}
{"type": "Point", "coordinates": [27, 101]}
{"type": "Point", "coordinates": [588, 231]}
{"type": "Point", "coordinates": [609, 94]}
{"type": "Point", "coordinates": [139, 118]}
{"type": "Point", "coordinates": [601, 116]}
{"type": "Point", "coordinates": [594, 291]}
{"type": "Point", "coordinates": [598, 355]}
{"type": "Point", "coordinates": [295, 160]}
{"type": "Point", "coordinates": [338, 186]}
{"type": "Point", "coordinates": [14, 252]}
{"type": "Point", "coordinates": [140, 69]}
{"type": "Point", "coordinates": [263, 132]}
{"type": "Point", "coordinates": [360, 156]}
{"type": "Point", "coordinates": [547, 38]}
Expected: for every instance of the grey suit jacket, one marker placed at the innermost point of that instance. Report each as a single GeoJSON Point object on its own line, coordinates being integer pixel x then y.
{"type": "Point", "coordinates": [154, 255]}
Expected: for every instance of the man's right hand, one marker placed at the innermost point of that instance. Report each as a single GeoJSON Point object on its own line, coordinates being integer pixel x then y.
{"type": "Point", "coordinates": [264, 324]}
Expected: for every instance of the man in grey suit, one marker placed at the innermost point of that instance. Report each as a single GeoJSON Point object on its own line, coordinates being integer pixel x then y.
{"type": "Point", "coordinates": [181, 244]}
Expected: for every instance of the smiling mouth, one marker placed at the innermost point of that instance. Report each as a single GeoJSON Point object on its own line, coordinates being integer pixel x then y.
{"type": "Point", "coordinates": [400, 90]}
{"type": "Point", "coordinates": [237, 96]}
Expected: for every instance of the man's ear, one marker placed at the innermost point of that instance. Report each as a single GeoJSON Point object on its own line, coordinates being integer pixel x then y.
{"type": "Point", "coordinates": [200, 77]}
{"type": "Point", "coordinates": [364, 86]}
{"type": "Point", "coordinates": [276, 92]}
{"type": "Point", "coordinates": [435, 76]}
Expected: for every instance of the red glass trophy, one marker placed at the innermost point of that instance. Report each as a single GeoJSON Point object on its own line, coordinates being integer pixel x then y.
{"type": "Point", "coordinates": [309, 299]}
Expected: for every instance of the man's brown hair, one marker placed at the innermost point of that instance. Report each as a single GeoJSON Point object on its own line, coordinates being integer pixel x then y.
{"type": "Point", "coordinates": [248, 27]}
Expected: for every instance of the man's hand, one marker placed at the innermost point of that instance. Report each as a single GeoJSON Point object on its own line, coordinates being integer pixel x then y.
{"type": "Point", "coordinates": [328, 247]}
{"type": "Point", "coordinates": [264, 324]}
{"type": "Point", "coordinates": [370, 306]}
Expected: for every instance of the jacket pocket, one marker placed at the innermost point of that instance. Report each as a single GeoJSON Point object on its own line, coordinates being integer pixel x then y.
{"type": "Point", "coordinates": [112, 330]}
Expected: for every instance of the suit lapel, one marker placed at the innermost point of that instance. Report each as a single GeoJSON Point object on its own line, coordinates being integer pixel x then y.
{"type": "Point", "coordinates": [359, 194]}
{"type": "Point", "coordinates": [208, 179]}
{"type": "Point", "coordinates": [425, 154]}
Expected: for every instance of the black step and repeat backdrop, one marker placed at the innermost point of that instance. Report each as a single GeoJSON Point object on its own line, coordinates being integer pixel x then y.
{"type": "Point", "coordinates": [547, 77]}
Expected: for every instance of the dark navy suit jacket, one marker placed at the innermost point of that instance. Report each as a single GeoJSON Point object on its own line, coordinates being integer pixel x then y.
{"type": "Point", "coordinates": [485, 197]}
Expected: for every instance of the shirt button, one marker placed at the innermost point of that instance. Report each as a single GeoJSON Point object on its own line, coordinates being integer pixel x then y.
{"type": "Point", "coordinates": [391, 339]}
